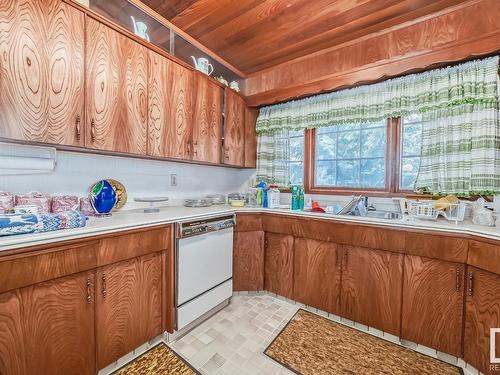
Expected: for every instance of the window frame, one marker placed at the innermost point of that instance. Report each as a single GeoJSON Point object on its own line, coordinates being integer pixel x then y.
{"type": "Point", "coordinates": [393, 150]}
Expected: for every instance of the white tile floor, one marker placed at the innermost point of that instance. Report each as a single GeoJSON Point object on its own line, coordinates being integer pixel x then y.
{"type": "Point", "coordinates": [233, 340]}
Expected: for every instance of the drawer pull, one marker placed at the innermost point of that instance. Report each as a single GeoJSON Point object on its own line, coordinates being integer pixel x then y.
{"type": "Point", "coordinates": [89, 300]}
{"type": "Point", "coordinates": [104, 285]}
{"type": "Point", "coordinates": [457, 286]}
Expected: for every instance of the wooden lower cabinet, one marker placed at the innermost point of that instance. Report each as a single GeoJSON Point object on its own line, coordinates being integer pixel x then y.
{"type": "Point", "coordinates": [371, 287]}
{"type": "Point", "coordinates": [128, 306]}
{"type": "Point", "coordinates": [248, 261]}
{"type": "Point", "coordinates": [482, 312]}
{"type": "Point", "coordinates": [317, 274]}
{"type": "Point", "coordinates": [433, 301]}
{"type": "Point", "coordinates": [278, 271]}
{"type": "Point", "coordinates": [48, 328]}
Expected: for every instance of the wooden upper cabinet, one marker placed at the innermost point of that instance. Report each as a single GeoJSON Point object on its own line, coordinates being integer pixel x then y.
{"type": "Point", "coordinates": [433, 301]}
{"type": "Point", "coordinates": [41, 72]}
{"type": "Point", "coordinates": [248, 261]}
{"type": "Point", "coordinates": [278, 264]}
{"type": "Point", "coordinates": [48, 328]}
{"type": "Point", "coordinates": [234, 129]}
{"type": "Point", "coordinates": [371, 287]}
{"type": "Point", "coordinates": [482, 312]}
{"type": "Point", "coordinates": [250, 137]}
{"type": "Point", "coordinates": [117, 92]}
{"type": "Point", "coordinates": [170, 113]}
{"type": "Point", "coordinates": [128, 307]}
{"type": "Point", "coordinates": [316, 278]}
{"type": "Point", "coordinates": [207, 120]}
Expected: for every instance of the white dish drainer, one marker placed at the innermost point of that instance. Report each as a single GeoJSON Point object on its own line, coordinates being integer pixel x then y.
{"type": "Point", "coordinates": [427, 210]}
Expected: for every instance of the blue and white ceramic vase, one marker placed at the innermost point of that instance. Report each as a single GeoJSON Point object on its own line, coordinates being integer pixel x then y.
{"type": "Point", "coordinates": [102, 197]}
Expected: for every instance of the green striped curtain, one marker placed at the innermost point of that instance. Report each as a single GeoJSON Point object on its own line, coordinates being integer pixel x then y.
{"type": "Point", "coordinates": [272, 156]}
{"type": "Point", "coordinates": [460, 110]}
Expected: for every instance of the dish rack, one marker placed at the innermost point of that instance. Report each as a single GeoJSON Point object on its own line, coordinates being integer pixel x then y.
{"type": "Point", "coordinates": [427, 210]}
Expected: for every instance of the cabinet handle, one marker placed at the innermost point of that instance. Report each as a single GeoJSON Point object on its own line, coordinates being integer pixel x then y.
{"type": "Point", "coordinates": [78, 130]}
{"type": "Point", "coordinates": [457, 281]}
{"type": "Point", "coordinates": [88, 291]}
{"type": "Point", "coordinates": [104, 285]}
{"type": "Point", "coordinates": [92, 130]}
{"type": "Point", "coordinates": [471, 284]}
{"type": "Point", "coordinates": [188, 148]}
{"type": "Point", "coordinates": [195, 148]}
{"type": "Point", "coordinates": [346, 257]}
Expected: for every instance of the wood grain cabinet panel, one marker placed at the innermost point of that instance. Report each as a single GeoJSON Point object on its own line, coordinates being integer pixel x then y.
{"type": "Point", "coordinates": [278, 271]}
{"type": "Point", "coordinates": [248, 261]}
{"type": "Point", "coordinates": [234, 129]}
{"type": "Point", "coordinates": [251, 115]}
{"type": "Point", "coordinates": [128, 310]}
{"type": "Point", "coordinates": [371, 287]}
{"type": "Point", "coordinates": [317, 272]}
{"type": "Point", "coordinates": [117, 92]}
{"type": "Point", "coordinates": [433, 301]}
{"type": "Point", "coordinates": [207, 120]}
{"type": "Point", "coordinates": [170, 113]}
{"type": "Point", "coordinates": [48, 328]}
{"type": "Point", "coordinates": [482, 313]}
{"type": "Point", "coordinates": [41, 71]}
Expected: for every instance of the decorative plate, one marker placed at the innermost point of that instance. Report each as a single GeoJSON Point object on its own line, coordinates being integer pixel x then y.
{"type": "Point", "coordinates": [121, 193]}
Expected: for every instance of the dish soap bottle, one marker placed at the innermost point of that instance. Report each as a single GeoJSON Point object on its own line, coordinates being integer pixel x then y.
{"type": "Point", "coordinates": [274, 196]}
{"type": "Point", "coordinates": [301, 198]}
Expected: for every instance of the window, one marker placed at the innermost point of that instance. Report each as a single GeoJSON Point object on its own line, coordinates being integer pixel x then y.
{"type": "Point", "coordinates": [294, 143]}
{"type": "Point", "coordinates": [351, 156]}
{"type": "Point", "coordinates": [411, 141]}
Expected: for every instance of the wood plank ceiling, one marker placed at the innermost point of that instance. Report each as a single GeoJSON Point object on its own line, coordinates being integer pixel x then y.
{"type": "Point", "coordinates": [257, 34]}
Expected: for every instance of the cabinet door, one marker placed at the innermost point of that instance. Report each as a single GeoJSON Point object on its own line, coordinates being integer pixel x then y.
{"type": "Point", "coordinates": [48, 328]}
{"type": "Point", "coordinates": [42, 71]}
{"type": "Point", "coordinates": [433, 301]}
{"type": "Point", "coordinates": [250, 137]}
{"type": "Point", "coordinates": [207, 120]}
{"type": "Point", "coordinates": [482, 313]}
{"type": "Point", "coordinates": [234, 129]}
{"type": "Point", "coordinates": [371, 287]}
{"type": "Point", "coordinates": [116, 91]}
{"type": "Point", "coordinates": [248, 261]}
{"type": "Point", "coordinates": [170, 113]}
{"type": "Point", "coordinates": [278, 271]}
{"type": "Point", "coordinates": [128, 310]}
{"type": "Point", "coordinates": [316, 278]}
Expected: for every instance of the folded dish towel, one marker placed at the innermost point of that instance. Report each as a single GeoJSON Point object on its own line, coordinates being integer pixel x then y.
{"type": "Point", "coordinates": [27, 223]}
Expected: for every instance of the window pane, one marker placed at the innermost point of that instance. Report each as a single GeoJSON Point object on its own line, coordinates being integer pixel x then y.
{"type": "Point", "coordinates": [348, 145]}
{"type": "Point", "coordinates": [409, 172]}
{"type": "Point", "coordinates": [297, 149]}
{"type": "Point", "coordinates": [325, 173]}
{"type": "Point", "coordinates": [296, 173]}
{"type": "Point", "coordinates": [348, 173]}
{"type": "Point", "coordinates": [417, 117]}
{"type": "Point", "coordinates": [412, 139]}
{"type": "Point", "coordinates": [373, 142]}
{"type": "Point", "coordinates": [373, 173]}
{"type": "Point", "coordinates": [326, 146]}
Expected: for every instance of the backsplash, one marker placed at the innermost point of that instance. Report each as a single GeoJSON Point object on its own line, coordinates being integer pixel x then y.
{"type": "Point", "coordinates": [76, 172]}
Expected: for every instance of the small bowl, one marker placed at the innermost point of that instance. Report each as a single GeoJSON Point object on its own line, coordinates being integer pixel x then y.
{"type": "Point", "coordinates": [237, 202]}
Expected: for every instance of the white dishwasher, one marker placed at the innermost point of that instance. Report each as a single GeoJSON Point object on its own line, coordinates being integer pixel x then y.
{"type": "Point", "coordinates": [204, 266]}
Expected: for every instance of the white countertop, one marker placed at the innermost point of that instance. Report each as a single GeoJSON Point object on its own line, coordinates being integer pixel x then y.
{"type": "Point", "coordinates": [122, 221]}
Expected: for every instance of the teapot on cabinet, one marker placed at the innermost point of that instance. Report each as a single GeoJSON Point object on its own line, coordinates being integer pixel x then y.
{"type": "Point", "coordinates": [203, 65]}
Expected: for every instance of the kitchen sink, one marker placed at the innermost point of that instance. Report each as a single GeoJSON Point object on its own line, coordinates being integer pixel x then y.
{"type": "Point", "coordinates": [384, 215]}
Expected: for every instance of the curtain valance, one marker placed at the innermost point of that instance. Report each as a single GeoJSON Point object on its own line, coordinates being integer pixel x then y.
{"type": "Point", "coordinates": [470, 83]}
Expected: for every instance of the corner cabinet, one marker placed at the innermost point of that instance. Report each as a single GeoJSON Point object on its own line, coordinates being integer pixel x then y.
{"type": "Point", "coordinates": [42, 72]}
{"type": "Point", "coordinates": [117, 90]}
{"type": "Point", "coordinates": [48, 328]}
{"type": "Point", "coordinates": [234, 129]}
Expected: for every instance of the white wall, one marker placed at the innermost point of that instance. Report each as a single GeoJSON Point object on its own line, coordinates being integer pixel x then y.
{"type": "Point", "coordinates": [76, 172]}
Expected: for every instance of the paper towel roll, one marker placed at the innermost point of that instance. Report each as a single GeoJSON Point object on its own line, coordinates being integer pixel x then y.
{"type": "Point", "coordinates": [17, 163]}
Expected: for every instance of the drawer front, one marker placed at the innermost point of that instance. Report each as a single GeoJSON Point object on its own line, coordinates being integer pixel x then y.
{"type": "Point", "coordinates": [131, 245]}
